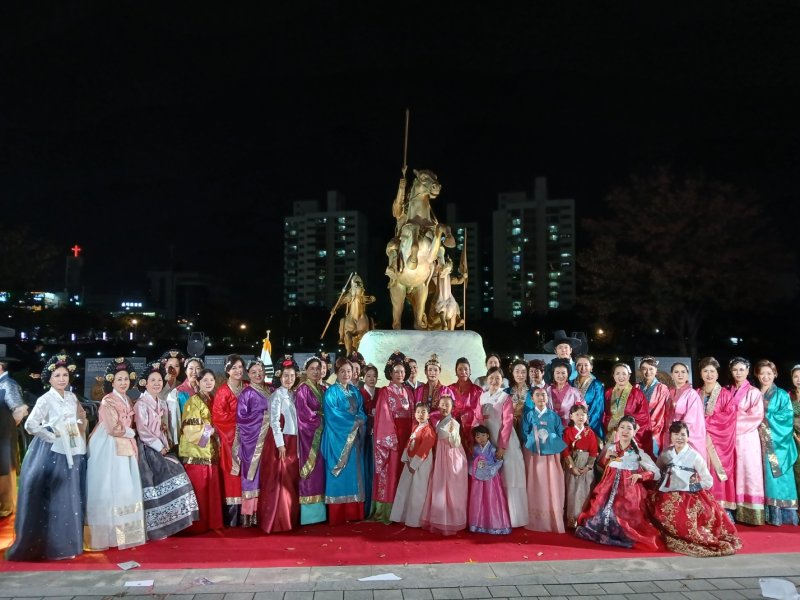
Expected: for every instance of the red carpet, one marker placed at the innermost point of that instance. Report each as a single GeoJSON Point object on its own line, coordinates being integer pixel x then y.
{"type": "Point", "coordinates": [367, 543]}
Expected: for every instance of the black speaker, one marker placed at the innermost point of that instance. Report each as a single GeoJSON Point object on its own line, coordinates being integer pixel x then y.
{"type": "Point", "coordinates": [197, 343]}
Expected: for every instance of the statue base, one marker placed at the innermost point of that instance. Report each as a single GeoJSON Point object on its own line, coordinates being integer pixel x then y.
{"type": "Point", "coordinates": [377, 345]}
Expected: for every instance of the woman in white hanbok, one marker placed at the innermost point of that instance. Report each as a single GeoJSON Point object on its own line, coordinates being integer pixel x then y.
{"type": "Point", "coordinates": [114, 513]}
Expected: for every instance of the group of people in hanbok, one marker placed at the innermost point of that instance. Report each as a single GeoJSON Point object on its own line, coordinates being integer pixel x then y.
{"type": "Point", "coordinates": [639, 464]}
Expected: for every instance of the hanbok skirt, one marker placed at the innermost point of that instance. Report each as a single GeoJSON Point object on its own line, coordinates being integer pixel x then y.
{"type": "Point", "coordinates": [445, 509]}
{"type": "Point", "coordinates": [545, 492]}
{"type": "Point", "coordinates": [488, 507]}
{"type": "Point", "coordinates": [207, 486]}
{"type": "Point", "coordinates": [279, 503]}
{"type": "Point", "coordinates": [694, 523]}
{"type": "Point", "coordinates": [577, 490]}
{"type": "Point", "coordinates": [616, 514]}
{"type": "Point", "coordinates": [114, 511]}
{"type": "Point", "coordinates": [52, 502]}
{"type": "Point", "coordinates": [9, 462]}
{"type": "Point", "coordinates": [170, 504]}
{"type": "Point", "coordinates": [311, 489]}
{"type": "Point", "coordinates": [412, 490]}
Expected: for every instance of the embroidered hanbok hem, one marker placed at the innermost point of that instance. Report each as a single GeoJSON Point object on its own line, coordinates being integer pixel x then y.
{"type": "Point", "coordinates": [775, 515]}
{"type": "Point", "coordinates": [170, 504]}
{"type": "Point", "coordinates": [49, 519]}
{"type": "Point", "coordinates": [694, 523]}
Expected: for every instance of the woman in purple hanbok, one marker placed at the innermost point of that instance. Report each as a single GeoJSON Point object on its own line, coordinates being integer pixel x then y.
{"type": "Point", "coordinates": [308, 401]}
{"type": "Point", "coordinates": [252, 426]}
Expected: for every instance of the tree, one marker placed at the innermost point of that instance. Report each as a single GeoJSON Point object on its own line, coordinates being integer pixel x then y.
{"type": "Point", "coordinates": [25, 262]}
{"type": "Point", "coordinates": [670, 250]}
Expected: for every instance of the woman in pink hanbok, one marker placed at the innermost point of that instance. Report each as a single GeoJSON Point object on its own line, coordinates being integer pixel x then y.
{"type": "Point", "coordinates": [749, 465]}
{"type": "Point", "coordinates": [560, 394]}
{"type": "Point", "coordinates": [657, 396]}
{"type": "Point", "coordinates": [686, 406]}
{"type": "Point", "coordinates": [394, 420]}
{"type": "Point", "coordinates": [466, 400]}
{"type": "Point", "coordinates": [720, 413]}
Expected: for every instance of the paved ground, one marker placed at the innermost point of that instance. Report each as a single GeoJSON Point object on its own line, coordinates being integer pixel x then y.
{"type": "Point", "coordinates": [674, 578]}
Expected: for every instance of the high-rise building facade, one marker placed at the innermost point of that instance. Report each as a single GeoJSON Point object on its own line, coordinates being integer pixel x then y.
{"type": "Point", "coordinates": [534, 253]}
{"type": "Point", "coordinates": [321, 248]}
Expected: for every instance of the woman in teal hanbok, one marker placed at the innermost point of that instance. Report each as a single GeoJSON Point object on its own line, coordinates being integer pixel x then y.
{"type": "Point", "coordinates": [779, 450]}
{"type": "Point", "coordinates": [341, 447]}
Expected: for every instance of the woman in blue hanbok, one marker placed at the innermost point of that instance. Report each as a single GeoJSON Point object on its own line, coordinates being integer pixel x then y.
{"type": "Point", "coordinates": [341, 447]}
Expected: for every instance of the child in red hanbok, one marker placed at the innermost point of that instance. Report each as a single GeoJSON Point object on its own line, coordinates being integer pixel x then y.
{"type": "Point", "coordinates": [417, 466]}
{"type": "Point", "coordinates": [488, 508]}
{"type": "Point", "coordinates": [578, 457]}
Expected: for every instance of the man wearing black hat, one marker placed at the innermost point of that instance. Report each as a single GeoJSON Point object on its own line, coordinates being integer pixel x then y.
{"type": "Point", "coordinates": [12, 411]}
{"type": "Point", "coordinates": [563, 346]}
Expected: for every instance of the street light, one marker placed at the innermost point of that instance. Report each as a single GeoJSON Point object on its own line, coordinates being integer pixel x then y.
{"type": "Point", "coordinates": [134, 322]}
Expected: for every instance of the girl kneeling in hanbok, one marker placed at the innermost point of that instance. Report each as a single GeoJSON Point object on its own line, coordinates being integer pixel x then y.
{"type": "Point", "coordinates": [617, 513]}
{"type": "Point", "coordinates": [690, 518]}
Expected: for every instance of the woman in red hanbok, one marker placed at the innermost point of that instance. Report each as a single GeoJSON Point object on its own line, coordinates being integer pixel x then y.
{"type": "Point", "coordinates": [467, 399]}
{"type": "Point", "coordinates": [690, 519]}
{"type": "Point", "coordinates": [616, 514]}
{"type": "Point", "coordinates": [394, 420]}
{"type": "Point", "coordinates": [279, 507]}
{"type": "Point", "coordinates": [720, 414]}
{"type": "Point", "coordinates": [429, 392]}
{"type": "Point", "coordinates": [223, 414]}
{"type": "Point", "coordinates": [624, 399]}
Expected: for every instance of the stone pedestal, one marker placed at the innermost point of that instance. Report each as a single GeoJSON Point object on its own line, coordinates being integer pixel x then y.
{"type": "Point", "coordinates": [376, 346]}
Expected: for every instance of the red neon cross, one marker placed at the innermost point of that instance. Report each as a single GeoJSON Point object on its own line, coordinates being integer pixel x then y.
{"type": "Point", "coordinates": [76, 250]}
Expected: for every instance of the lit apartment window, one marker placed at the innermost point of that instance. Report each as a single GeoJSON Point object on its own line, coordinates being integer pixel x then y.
{"type": "Point", "coordinates": [341, 220]}
{"type": "Point", "coordinates": [553, 304]}
{"type": "Point", "coordinates": [322, 253]}
{"type": "Point", "coordinates": [516, 222]}
{"type": "Point", "coordinates": [516, 231]}
{"type": "Point", "coordinates": [340, 253]}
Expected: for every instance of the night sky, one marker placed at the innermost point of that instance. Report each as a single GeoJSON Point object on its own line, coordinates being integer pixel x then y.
{"type": "Point", "coordinates": [130, 127]}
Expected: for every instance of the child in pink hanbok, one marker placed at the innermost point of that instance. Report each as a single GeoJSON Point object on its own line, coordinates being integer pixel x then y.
{"type": "Point", "coordinates": [488, 508]}
{"type": "Point", "coordinates": [445, 509]}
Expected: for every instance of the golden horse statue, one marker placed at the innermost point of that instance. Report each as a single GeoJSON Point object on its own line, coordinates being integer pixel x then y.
{"type": "Point", "coordinates": [355, 322]}
{"type": "Point", "coordinates": [417, 245]}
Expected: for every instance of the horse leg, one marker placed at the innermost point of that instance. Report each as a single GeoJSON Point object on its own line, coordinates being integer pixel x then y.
{"type": "Point", "coordinates": [420, 296]}
{"type": "Point", "coordinates": [398, 295]}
